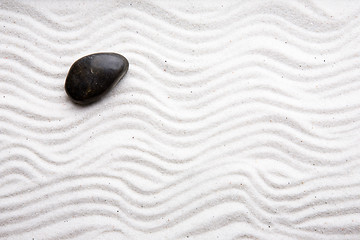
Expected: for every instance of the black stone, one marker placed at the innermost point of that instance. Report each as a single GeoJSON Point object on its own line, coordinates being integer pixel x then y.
{"type": "Point", "coordinates": [92, 76]}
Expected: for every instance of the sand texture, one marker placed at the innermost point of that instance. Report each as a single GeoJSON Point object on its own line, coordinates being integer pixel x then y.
{"type": "Point", "coordinates": [236, 120]}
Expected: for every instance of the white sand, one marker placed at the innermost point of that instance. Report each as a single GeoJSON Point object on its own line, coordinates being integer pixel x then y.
{"type": "Point", "coordinates": [235, 121]}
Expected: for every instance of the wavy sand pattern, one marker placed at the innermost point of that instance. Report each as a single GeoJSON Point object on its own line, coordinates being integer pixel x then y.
{"type": "Point", "coordinates": [236, 120]}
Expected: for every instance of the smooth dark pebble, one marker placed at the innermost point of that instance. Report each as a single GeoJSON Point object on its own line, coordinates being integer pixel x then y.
{"type": "Point", "coordinates": [92, 76]}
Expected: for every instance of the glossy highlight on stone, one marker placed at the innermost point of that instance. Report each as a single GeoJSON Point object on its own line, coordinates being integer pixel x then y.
{"type": "Point", "coordinates": [92, 76]}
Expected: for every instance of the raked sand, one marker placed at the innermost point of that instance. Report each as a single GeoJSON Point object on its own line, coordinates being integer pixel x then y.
{"type": "Point", "coordinates": [236, 120]}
